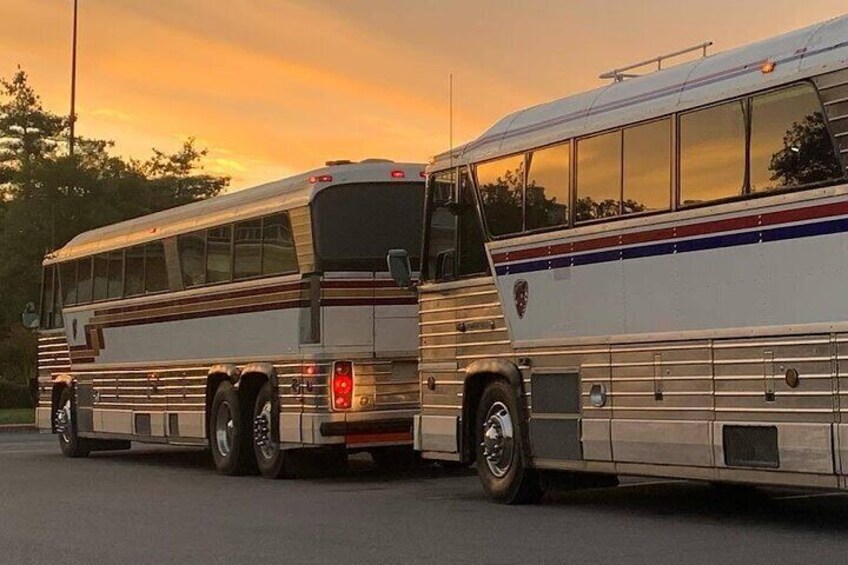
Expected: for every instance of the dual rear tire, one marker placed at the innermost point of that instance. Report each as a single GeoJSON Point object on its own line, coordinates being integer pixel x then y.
{"type": "Point", "coordinates": [243, 442]}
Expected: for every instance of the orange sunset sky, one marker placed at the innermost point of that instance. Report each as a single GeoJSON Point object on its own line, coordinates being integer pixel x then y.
{"type": "Point", "coordinates": [273, 87]}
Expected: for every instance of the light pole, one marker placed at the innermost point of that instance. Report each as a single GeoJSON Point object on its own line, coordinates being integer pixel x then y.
{"type": "Point", "coordinates": [73, 82]}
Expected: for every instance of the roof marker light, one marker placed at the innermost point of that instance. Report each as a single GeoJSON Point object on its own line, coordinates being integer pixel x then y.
{"type": "Point", "coordinates": [768, 67]}
{"type": "Point", "coordinates": [398, 174]}
{"type": "Point", "coordinates": [321, 178]}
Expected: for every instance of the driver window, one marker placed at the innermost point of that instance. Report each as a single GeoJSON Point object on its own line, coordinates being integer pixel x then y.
{"type": "Point", "coordinates": [454, 236]}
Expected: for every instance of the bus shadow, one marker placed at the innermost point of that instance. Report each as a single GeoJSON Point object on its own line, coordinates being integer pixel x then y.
{"type": "Point", "coordinates": [360, 469]}
{"type": "Point", "coordinates": [744, 506]}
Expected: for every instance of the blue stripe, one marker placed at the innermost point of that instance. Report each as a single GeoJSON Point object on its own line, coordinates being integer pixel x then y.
{"type": "Point", "coordinates": [676, 247]}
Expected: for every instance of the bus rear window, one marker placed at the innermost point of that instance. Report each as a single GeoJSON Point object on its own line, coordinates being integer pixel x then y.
{"type": "Point", "coordinates": [355, 225]}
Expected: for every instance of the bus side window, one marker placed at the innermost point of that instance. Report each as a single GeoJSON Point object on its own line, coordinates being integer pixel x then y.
{"type": "Point", "coordinates": [51, 299]}
{"type": "Point", "coordinates": [155, 270]}
{"type": "Point", "coordinates": [68, 280]}
{"type": "Point", "coordinates": [134, 277]}
{"type": "Point", "coordinates": [84, 280]}
{"type": "Point", "coordinates": [192, 251]}
{"type": "Point", "coordinates": [219, 254]}
{"type": "Point", "coordinates": [278, 254]}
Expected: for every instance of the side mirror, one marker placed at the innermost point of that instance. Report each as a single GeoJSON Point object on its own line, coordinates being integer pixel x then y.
{"type": "Point", "coordinates": [30, 318]}
{"type": "Point", "coordinates": [399, 267]}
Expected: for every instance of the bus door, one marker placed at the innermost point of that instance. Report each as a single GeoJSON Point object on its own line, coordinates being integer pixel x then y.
{"type": "Point", "coordinates": [460, 315]}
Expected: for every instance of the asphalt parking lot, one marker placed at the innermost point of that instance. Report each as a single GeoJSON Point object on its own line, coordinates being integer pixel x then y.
{"type": "Point", "coordinates": [163, 505]}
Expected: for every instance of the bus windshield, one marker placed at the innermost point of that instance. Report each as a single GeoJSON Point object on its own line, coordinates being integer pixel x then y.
{"type": "Point", "coordinates": [356, 225]}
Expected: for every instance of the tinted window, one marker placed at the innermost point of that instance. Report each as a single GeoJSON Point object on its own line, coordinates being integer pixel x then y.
{"type": "Point", "coordinates": [712, 153]}
{"type": "Point", "coordinates": [278, 255]}
{"type": "Point", "coordinates": [101, 274]}
{"type": "Point", "coordinates": [547, 187]}
{"type": "Point", "coordinates": [441, 228]}
{"type": "Point", "coordinates": [134, 278]}
{"type": "Point", "coordinates": [647, 167]}
{"type": "Point", "coordinates": [501, 186]}
{"type": "Point", "coordinates": [248, 249]}
{"type": "Point", "coordinates": [599, 177]}
{"type": "Point", "coordinates": [115, 284]}
{"type": "Point", "coordinates": [472, 253]}
{"type": "Point", "coordinates": [355, 225]}
{"type": "Point", "coordinates": [68, 278]}
{"type": "Point", "coordinates": [155, 270]}
{"type": "Point", "coordinates": [192, 250]}
{"type": "Point", "coordinates": [49, 307]}
{"type": "Point", "coordinates": [218, 263]}
{"type": "Point", "coordinates": [84, 286]}
{"type": "Point", "coordinates": [790, 142]}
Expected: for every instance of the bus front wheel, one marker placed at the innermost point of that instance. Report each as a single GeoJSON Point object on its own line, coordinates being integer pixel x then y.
{"type": "Point", "coordinates": [501, 461]}
{"type": "Point", "coordinates": [65, 422]}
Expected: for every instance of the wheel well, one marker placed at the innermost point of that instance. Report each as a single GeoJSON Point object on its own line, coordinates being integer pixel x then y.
{"type": "Point", "coordinates": [55, 397]}
{"type": "Point", "coordinates": [248, 387]}
{"type": "Point", "coordinates": [472, 393]}
{"type": "Point", "coordinates": [212, 383]}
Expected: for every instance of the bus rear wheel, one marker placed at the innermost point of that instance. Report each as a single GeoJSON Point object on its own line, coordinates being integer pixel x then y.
{"type": "Point", "coordinates": [270, 459]}
{"type": "Point", "coordinates": [501, 461]}
{"type": "Point", "coordinates": [229, 432]}
{"type": "Point", "coordinates": [65, 422]}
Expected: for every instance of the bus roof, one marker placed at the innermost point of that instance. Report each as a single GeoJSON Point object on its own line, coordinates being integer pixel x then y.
{"type": "Point", "coordinates": [284, 194]}
{"type": "Point", "coordinates": [803, 53]}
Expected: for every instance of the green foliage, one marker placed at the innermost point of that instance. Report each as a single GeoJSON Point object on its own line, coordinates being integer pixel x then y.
{"type": "Point", "coordinates": [14, 395]}
{"type": "Point", "coordinates": [48, 196]}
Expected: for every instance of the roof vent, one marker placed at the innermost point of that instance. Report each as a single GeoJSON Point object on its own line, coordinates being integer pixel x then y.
{"type": "Point", "coordinates": [338, 162]}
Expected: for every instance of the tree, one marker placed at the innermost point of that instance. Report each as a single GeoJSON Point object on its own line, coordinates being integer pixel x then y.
{"type": "Point", "coordinates": [807, 156]}
{"type": "Point", "coordinates": [47, 197]}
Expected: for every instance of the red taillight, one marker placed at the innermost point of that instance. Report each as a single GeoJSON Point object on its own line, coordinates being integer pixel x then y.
{"type": "Point", "coordinates": [423, 175]}
{"type": "Point", "coordinates": [321, 178]}
{"type": "Point", "coordinates": [398, 174]}
{"type": "Point", "coordinates": [342, 385]}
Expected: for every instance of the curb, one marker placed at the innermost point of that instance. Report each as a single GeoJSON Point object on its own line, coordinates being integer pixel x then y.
{"type": "Point", "coordinates": [17, 428]}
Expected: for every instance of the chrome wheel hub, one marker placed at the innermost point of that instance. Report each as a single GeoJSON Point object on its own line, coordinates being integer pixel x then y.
{"type": "Point", "coordinates": [63, 422]}
{"type": "Point", "coordinates": [225, 429]}
{"type": "Point", "coordinates": [498, 441]}
{"type": "Point", "coordinates": [262, 432]}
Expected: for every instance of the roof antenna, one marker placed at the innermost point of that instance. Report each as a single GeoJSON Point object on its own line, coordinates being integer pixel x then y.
{"type": "Point", "coordinates": [450, 118]}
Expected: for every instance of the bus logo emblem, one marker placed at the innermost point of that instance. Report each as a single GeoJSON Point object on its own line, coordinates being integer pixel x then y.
{"type": "Point", "coordinates": [521, 293]}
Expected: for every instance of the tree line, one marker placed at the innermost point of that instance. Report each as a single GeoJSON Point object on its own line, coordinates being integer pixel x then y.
{"type": "Point", "coordinates": [48, 196]}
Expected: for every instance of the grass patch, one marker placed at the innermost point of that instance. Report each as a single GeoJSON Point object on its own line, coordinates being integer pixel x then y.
{"type": "Point", "coordinates": [17, 416]}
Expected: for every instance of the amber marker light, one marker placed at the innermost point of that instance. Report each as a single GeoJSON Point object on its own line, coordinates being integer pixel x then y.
{"type": "Point", "coordinates": [768, 67]}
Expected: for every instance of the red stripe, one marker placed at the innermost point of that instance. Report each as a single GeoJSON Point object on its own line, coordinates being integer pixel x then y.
{"type": "Point", "coordinates": [204, 298]}
{"type": "Point", "coordinates": [677, 232]}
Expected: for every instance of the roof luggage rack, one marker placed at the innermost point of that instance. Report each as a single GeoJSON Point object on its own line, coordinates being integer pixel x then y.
{"type": "Point", "coordinates": [618, 75]}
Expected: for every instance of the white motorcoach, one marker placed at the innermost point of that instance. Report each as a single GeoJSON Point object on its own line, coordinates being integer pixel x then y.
{"type": "Point", "coordinates": [260, 323]}
{"type": "Point", "coordinates": [647, 278]}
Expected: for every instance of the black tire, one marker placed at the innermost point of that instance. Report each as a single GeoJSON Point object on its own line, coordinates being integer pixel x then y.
{"type": "Point", "coordinates": [270, 459]}
{"type": "Point", "coordinates": [507, 477]}
{"type": "Point", "coordinates": [395, 458]}
{"type": "Point", "coordinates": [230, 433]}
{"type": "Point", "coordinates": [65, 418]}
